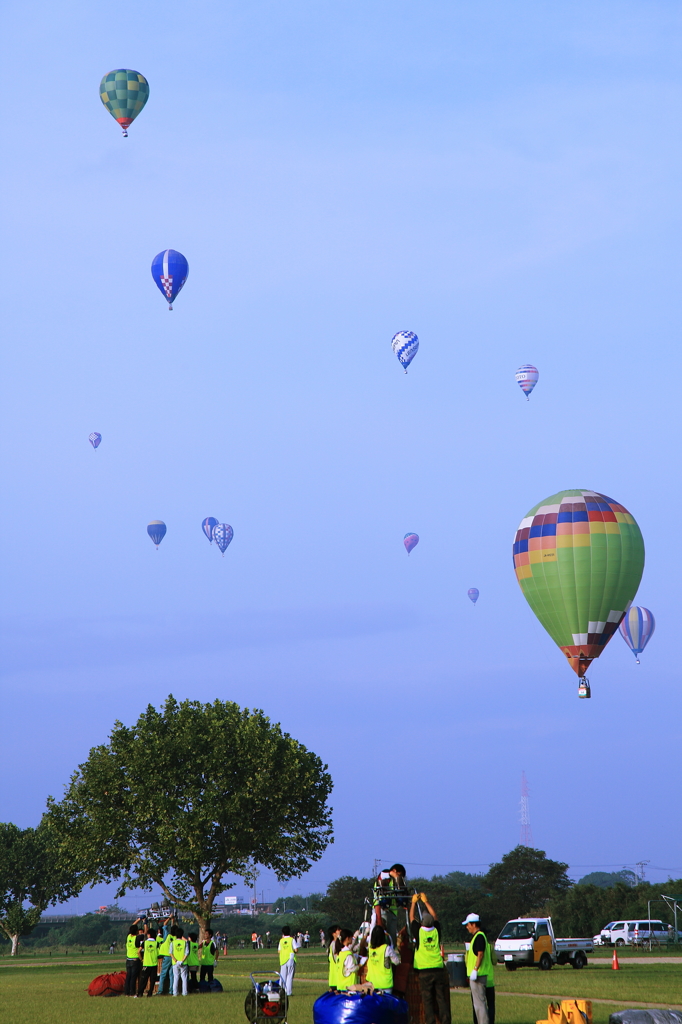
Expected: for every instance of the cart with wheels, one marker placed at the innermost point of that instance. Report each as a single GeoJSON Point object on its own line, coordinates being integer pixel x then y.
{"type": "Point", "coordinates": [266, 1002]}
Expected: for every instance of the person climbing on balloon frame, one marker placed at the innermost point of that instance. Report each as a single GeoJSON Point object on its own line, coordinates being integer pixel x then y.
{"type": "Point", "coordinates": [386, 900]}
{"type": "Point", "coordinates": [428, 961]}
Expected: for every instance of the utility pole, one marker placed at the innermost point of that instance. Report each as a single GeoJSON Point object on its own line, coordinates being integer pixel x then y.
{"type": "Point", "coordinates": [526, 834]}
{"type": "Point", "coordinates": [641, 864]}
{"type": "Point", "coordinates": [375, 870]}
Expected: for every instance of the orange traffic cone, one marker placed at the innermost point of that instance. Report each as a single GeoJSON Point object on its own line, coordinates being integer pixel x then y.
{"type": "Point", "coordinates": [615, 966]}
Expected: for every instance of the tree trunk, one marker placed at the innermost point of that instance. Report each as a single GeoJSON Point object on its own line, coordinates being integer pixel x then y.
{"type": "Point", "coordinates": [15, 944]}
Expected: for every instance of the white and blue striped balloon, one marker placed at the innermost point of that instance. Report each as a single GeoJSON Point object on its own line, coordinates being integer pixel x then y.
{"type": "Point", "coordinates": [405, 344]}
{"type": "Point", "coordinates": [637, 628]}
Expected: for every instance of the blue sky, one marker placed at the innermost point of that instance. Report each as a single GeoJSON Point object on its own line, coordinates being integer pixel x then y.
{"type": "Point", "coordinates": [501, 179]}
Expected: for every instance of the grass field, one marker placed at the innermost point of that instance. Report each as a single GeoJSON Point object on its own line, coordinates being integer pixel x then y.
{"type": "Point", "coordinates": [35, 992]}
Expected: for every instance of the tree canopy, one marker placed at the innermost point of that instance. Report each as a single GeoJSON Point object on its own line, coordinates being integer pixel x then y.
{"type": "Point", "coordinates": [523, 881]}
{"type": "Point", "coordinates": [30, 873]}
{"type": "Point", "coordinates": [605, 879]}
{"type": "Point", "coordinates": [189, 794]}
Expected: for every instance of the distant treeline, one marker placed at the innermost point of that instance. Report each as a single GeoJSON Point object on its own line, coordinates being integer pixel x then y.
{"type": "Point", "coordinates": [99, 931]}
{"type": "Point", "coordinates": [524, 883]}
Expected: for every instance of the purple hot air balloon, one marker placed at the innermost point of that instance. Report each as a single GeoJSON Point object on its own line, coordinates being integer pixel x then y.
{"type": "Point", "coordinates": [472, 593]}
{"type": "Point", "coordinates": [410, 540]}
{"type": "Point", "coordinates": [95, 439]}
{"type": "Point", "coordinates": [637, 628]}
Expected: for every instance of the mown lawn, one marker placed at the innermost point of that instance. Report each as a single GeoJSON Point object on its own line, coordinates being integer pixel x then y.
{"type": "Point", "coordinates": [55, 993]}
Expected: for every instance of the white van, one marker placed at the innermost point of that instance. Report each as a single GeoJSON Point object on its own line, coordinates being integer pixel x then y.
{"type": "Point", "coordinates": [632, 933]}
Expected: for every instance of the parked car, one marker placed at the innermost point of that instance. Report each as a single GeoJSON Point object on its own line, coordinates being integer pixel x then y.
{"type": "Point", "coordinates": [604, 936]}
{"type": "Point", "coordinates": [635, 932]}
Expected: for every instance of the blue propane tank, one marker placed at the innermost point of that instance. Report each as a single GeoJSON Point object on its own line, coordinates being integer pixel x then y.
{"type": "Point", "coordinates": [358, 1008]}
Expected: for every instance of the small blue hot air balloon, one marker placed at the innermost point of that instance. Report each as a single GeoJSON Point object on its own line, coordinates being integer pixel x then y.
{"type": "Point", "coordinates": [472, 594]}
{"type": "Point", "coordinates": [405, 345]}
{"type": "Point", "coordinates": [637, 628]}
{"type": "Point", "coordinates": [208, 527]}
{"type": "Point", "coordinates": [527, 377]}
{"type": "Point", "coordinates": [157, 531]}
{"type": "Point", "coordinates": [222, 535]}
{"type": "Point", "coordinates": [95, 439]}
{"type": "Point", "coordinates": [410, 540]}
{"type": "Point", "coordinates": [170, 270]}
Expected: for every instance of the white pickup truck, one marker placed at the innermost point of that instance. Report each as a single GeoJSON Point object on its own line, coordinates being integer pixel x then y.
{"type": "Point", "coordinates": [531, 940]}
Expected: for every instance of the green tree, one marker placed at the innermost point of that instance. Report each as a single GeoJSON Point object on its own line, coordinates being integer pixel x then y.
{"type": "Point", "coordinates": [522, 883]}
{"type": "Point", "coordinates": [605, 879]}
{"type": "Point", "coordinates": [189, 794]}
{"type": "Point", "coordinates": [31, 878]}
{"type": "Point", "coordinates": [345, 900]}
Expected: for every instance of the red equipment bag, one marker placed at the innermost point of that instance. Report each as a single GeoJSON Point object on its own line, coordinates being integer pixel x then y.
{"type": "Point", "coordinates": [108, 985]}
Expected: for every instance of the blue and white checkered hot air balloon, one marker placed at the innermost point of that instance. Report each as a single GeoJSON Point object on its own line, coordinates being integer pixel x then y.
{"type": "Point", "coordinates": [95, 439]}
{"type": "Point", "coordinates": [170, 270]}
{"type": "Point", "coordinates": [527, 377]}
{"type": "Point", "coordinates": [637, 628]}
{"type": "Point", "coordinates": [222, 535]}
{"type": "Point", "coordinates": [405, 344]}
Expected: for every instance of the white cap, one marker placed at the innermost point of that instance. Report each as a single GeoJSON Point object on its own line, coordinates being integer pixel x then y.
{"type": "Point", "coordinates": [471, 919]}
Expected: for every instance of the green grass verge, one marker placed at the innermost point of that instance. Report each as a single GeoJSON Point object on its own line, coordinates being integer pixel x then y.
{"type": "Point", "coordinates": [55, 993]}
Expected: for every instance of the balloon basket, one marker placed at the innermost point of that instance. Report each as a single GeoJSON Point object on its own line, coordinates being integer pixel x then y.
{"type": "Point", "coordinates": [584, 690]}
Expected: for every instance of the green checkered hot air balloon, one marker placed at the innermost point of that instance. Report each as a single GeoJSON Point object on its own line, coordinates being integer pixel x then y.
{"type": "Point", "coordinates": [124, 94]}
{"type": "Point", "coordinates": [579, 558]}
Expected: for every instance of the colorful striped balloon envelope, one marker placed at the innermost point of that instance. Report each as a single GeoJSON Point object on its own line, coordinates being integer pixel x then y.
{"type": "Point", "coordinates": [637, 629]}
{"type": "Point", "coordinates": [527, 377]}
{"type": "Point", "coordinates": [579, 558]}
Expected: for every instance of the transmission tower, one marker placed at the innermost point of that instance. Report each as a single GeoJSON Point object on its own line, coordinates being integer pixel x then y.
{"type": "Point", "coordinates": [526, 834]}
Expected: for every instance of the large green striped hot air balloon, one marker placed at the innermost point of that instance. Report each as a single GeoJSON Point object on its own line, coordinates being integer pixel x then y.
{"type": "Point", "coordinates": [124, 94]}
{"type": "Point", "coordinates": [579, 558]}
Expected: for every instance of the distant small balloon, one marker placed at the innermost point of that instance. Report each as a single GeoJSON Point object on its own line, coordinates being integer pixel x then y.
{"type": "Point", "coordinates": [405, 344]}
{"type": "Point", "coordinates": [95, 439]}
{"type": "Point", "coordinates": [637, 628]}
{"type": "Point", "coordinates": [473, 594]}
{"type": "Point", "coordinates": [157, 531]}
{"type": "Point", "coordinates": [170, 270]}
{"type": "Point", "coordinates": [527, 377]}
{"type": "Point", "coordinates": [410, 540]}
{"type": "Point", "coordinates": [208, 527]}
{"type": "Point", "coordinates": [222, 535]}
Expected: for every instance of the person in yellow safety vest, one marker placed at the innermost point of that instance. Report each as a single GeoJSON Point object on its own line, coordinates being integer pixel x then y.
{"type": "Point", "coordinates": [133, 962]}
{"type": "Point", "coordinates": [179, 954]}
{"type": "Point", "coordinates": [381, 956]}
{"type": "Point", "coordinates": [287, 958]}
{"type": "Point", "coordinates": [385, 908]}
{"type": "Point", "coordinates": [164, 939]}
{"type": "Point", "coordinates": [193, 962]}
{"type": "Point", "coordinates": [347, 962]}
{"type": "Point", "coordinates": [428, 961]}
{"type": "Point", "coordinates": [150, 959]}
{"type": "Point", "coordinates": [333, 955]}
{"type": "Point", "coordinates": [479, 965]}
{"type": "Point", "coordinates": [208, 954]}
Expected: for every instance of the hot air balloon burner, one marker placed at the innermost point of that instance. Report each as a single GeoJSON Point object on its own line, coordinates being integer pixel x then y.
{"type": "Point", "coordinates": [584, 690]}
